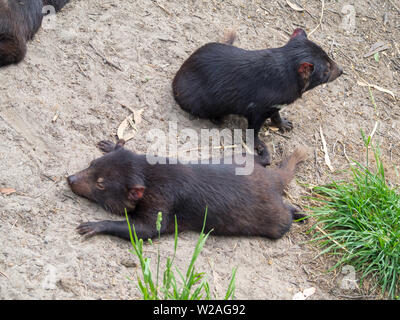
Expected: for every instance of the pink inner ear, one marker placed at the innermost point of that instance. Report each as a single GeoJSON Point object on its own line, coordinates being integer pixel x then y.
{"type": "Point", "coordinates": [306, 68]}
{"type": "Point", "coordinates": [136, 193]}
{"type": "Point", "coordinates": [297, 32]}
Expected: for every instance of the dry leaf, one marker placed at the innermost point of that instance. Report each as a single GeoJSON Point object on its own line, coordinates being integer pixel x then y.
{"type": "Point", "coordinates": [132, 120]}
{"type": "Point", "coordinates": [123, 126]}
{"type": "Point", "coordinates": [294, 6]}
{"type": "Point", "coordinates": [327, 160]}
{"type": "Point", "coordinates": [7, 191]}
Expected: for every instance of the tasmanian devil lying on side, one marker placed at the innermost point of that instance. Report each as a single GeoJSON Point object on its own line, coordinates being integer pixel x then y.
{"type": "Point", "coordinates": [219, 79]}
{"type": "Point", "coordinates": [19, 21]}
{"type": "Point", "coordinates": [249, 205]}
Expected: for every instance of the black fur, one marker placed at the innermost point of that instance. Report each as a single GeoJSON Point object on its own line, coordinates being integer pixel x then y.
{"type": "Point", "coordinates": [237, 205]}
{"type": "Point", "coordinates": [219, 79]}
{"type": "Point", "coordinates": [19, 21]}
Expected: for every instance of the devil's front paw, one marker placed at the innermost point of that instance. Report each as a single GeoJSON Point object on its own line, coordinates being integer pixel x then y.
{"type": "Point", "coordinates": [281, 123]}
{"type": "Point", "coordinates": [89, 229]}
{"type": "Point", "coordinates": [285, 125]}
{"type": "Point", "coordinates": [106, 146]}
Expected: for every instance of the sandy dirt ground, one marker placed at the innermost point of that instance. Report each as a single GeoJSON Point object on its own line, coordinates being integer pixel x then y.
{"type": "Point", "coordinates": [100, 58]}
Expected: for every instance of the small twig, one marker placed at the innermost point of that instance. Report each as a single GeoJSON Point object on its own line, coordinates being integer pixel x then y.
{"type": "Point", "coordinates": [310, 14]}
{"type": "Point", "coordinates": [68, 196]}
{"type": "Point", "coordinates": [57, 114]}
{"type": "Point", "coordinates": [13, 225]}
{"type": "Point", "coordinates": [161, 7]}
{"type": "Point", "coordinates": [105, 60]}
{"type": "Point", "coordinates": [333, 11]}
{"type": "Point", "coordinates": [81, 70]}
{"type": "Point", "coordinates": [265, 9]}
{"type": "Point", "coordinates": [166, 40]}
{"type": "Point", "coordinates": [48, 177]}
{"type": "Point", "coordinates": [376, 49]}
{"type": "Point", "coordinates": [364, 83]}
{"type": "Point", "coordinates": [320, 19]}
{"type": "Point", "coordinates": [4, 275]}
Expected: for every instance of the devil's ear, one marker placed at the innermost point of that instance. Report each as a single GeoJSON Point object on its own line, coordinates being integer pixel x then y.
{"type": "Point", "coordinates": [135, 193]}
{"type": "Point", "coordinates": [120, 143]}
{"type": "Point", "coordinates": [305, 69]}
{"type": "Point", "coordinates": [298, 33]}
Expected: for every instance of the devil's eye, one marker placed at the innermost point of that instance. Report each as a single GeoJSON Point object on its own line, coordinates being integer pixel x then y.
{"type": "Point", "coordinates": [100, 183]}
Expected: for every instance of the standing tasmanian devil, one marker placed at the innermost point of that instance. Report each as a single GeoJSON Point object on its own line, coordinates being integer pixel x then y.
{"type": "Point", "coordinates": [19, 21]}
{"type": "Point", "coordinates": [219, 79]}
{"type": "Point", "coordinates": [249, 205]}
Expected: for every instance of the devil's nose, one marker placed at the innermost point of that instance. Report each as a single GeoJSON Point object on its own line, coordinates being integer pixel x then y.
{"type": "Point", "coordinates": [71, 179]}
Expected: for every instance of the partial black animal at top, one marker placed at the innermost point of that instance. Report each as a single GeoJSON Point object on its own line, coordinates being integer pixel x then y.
{"type": "Point", "coordinates": [248, 205]}
{"type": "Point", "coordinates": [219, 79]}
{"type": "Point", "coordinates": [19, 21]}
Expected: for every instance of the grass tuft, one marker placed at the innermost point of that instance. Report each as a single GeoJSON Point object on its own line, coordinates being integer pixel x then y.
{"type": "Point", "coordinates": [192, 285]}
{"type": "Point", "coordinates": [359, 221]}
